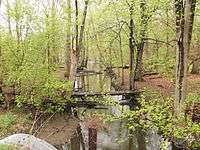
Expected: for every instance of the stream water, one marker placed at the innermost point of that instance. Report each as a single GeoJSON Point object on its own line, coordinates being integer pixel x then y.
{"type": "Point", "coordinates": [116, 135]}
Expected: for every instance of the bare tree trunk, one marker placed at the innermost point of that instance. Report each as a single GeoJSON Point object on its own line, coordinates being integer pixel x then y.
{"type": "Point", "coordinates": [181, 57]}
{"type": "Point", "coordinates": [121, 57]}
{"type": "Point", "coordinates": [9, 20]}
{"type": "Point", "coordinates": [131, 46]}
{"type": "Point", "coordinates": [167, 34]}
{"type": "Point", "coordinates": [68, 50]}
{"type": "Point", "coordinates": [140, 47]}
{"type": "Point", "coordinates": [184, 24]}
{"type": "Point", "coordinates": [18, 33]}
{"type": "Point", "coordinates": [191, 13]}
{"type": "Point", "coordinates": [87, 49]}
{"type": "Point", "coordinates": [76, 27]}
{"type": "Point", "coordinates": [53, 47]}
{"type": "Point", "coordinates": [81, 49]}
{"type": "Point", "coordinates": [75, 54]}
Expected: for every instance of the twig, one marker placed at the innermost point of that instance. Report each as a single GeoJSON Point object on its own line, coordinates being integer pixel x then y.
{"type": "Point", "coordinates": [42, 125]}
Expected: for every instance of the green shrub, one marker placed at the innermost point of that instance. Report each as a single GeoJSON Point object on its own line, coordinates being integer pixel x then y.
{"type": "Point", "coordinates": [157, 113]}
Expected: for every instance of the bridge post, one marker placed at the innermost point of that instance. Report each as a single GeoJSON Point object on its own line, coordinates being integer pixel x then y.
{"type": "Point", "coordinates": [92, 138]}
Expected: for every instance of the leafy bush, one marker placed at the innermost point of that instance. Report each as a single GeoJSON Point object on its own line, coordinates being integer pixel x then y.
{"type": "Point", "coordinates": [27, 65]}
{"type": "Point", "coordinates": [157, 113]}
{"type": "Point", "coordinates": [37, 88]}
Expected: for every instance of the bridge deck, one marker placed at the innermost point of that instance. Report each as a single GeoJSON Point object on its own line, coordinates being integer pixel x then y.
{"type": "Point", "coordinates": [112, 93]}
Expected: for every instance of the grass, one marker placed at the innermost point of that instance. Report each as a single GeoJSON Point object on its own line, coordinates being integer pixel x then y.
{"type": "Point", "coordinates": [14, 122]}
{"type": "Point", "coordinates": [7, 120]}
{"type": "Point", "coordinates": [10, 147]}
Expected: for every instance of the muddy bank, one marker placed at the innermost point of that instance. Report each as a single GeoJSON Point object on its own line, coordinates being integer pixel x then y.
{"type": "Point", "coordinates": [56, 129]}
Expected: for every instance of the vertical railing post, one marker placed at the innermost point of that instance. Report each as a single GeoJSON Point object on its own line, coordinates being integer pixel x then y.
{"type": "Point", "coordinates": [92, 141]}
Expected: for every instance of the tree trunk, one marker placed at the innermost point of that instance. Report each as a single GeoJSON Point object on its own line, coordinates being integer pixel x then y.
{"type": "Point", "coordinates": [167, 34]}
{"type": "Point", "coordinates": [122, 58]}
{"type": "Point", "coordinates": [81, 49]}
{"type": "Point", "coordinates": [181, 58]}
{"type": "Point", "coordinates": [140, 47]}
{"type": "Point", "coordinates": [184, 24]}
{"type": "Point", "coordinates": [74, 52]}
{"type": "Point", "coordinates": [131, 46]}
{"type": "Point", "coordinates": [75, 55]}
{"type": "Point", "coordinates": [68, 49]}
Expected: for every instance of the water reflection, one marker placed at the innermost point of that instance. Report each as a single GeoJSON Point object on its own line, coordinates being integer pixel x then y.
{"type": "Point", "coordinates": [90, 82]}
{"type": "Point", "coordinates": [117, 136]}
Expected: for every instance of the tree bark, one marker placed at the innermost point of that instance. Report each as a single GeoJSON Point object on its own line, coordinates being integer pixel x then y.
{"type": "Point", "coordinates": [75, 54]}
{"type": "Point", "coordinates": [68, 49]}
{"type": "Point", "coordinates": [184, 24]}
{"type": "Point", "coordinates": [131, 47]}
{"type": "Point", "coordinates": [8, 15]}
{"type": "Point", "coordinates": [140, 46]}
{"type": "Point", "coordinates": [167, 34]}
{"type": "Point", "coordinates": [82, 32]}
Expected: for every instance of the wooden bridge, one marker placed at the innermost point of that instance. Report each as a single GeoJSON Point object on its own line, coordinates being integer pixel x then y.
{"type": "Point", "coordinates": [128, 97]}
{"type": "Point", "coordinates": [85, 95]}
{"type": "Point", "coordinates": [100, 94]}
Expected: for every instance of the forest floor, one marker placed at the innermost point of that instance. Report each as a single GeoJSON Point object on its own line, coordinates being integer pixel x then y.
{"type": "Point", "coordinates": [164, 85]}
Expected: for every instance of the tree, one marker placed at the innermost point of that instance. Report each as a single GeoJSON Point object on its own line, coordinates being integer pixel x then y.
{"type": "Point", "coordinates": [68, 49]}
{"type": "Point", "coordinates": [184, 11]}
{"type": "Point", "coordinates": [81, 36]}
{"type": "Point", "coordinates": [142, 36]}
{"type": "Point", "coordinates": [75, 54]}
{"type": "Point", "coordinates": [131, 45]}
